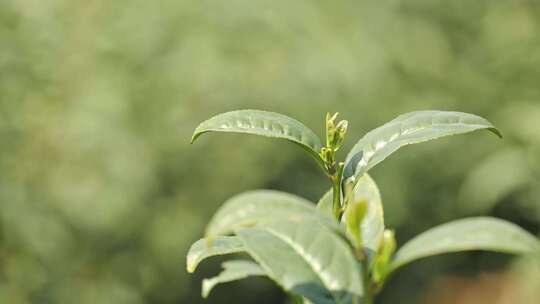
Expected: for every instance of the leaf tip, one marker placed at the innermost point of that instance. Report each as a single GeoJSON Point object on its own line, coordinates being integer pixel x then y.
{"type": "Point", "coordinates": [496, 132]}
{"type": "Point", "coordinates": [194, 137]}
{"type": "Point", "coordinates": [206, 288]}
{"type": "Point", "coordinates": [190, 265]}
{"type": "Point", "coordinates": [209, 237]}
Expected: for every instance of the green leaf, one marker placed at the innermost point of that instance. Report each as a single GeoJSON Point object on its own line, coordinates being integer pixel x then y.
{"type": "Point", "coordinates": [324, 205]}
{"type": "Point", "coordinates": [203, 249]}
{"type": "Point", "coordinates": [305, 258]}
{"type": "Point", "coordinates": [301, 249]}
{"type": "Point", "coordinates": [288, 269]}
{"type": "Point", "coordinates": [477, 233]}
{"type": "Point", "coordinates": [232, 271]}
{"type": "Point", "coordinates": [406, 129]}
{"type": "Point", "coordinates": [255, 207]}
{"type": "Point", "coordinates": [372, 226]}
{"type": "Point", "coordinates": [263, 123]}
{"type": "Point", "coordinates": [321, 247]}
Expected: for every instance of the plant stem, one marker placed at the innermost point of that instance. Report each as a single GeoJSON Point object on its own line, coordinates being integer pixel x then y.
{"type": "Point", "coordinates": [336, 195]}
{"type": "Point", "coordinates": [368, 295]}
{"type": "Point", "coordinates": [336, 192]}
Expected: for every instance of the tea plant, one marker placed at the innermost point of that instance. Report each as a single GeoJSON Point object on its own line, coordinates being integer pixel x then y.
{"type": "Point", "coordinates": [337, 251]}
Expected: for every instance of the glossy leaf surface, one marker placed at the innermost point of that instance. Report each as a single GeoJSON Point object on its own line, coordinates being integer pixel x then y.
{"type": "Point", "coordinates": [289, 228]}
{"type": "Point", "coordinates": [477, 233]}
{"type": "Point", "coordinates": [283, 265]}
{"type": "Point", "coordinates": [326, 252]}
{"type": "Point", "coordinates": [232, 271]}
{"type": "Point", "coordinates": [303, 262]}
{"type": "Point", "coordinates": [262, 123]}
{"type": "Point", "coordinates": [254, 207]}
{"type": "Point", "coordinates": [203, 249]}
{"type": "Point", "coordinates": [406, 129]}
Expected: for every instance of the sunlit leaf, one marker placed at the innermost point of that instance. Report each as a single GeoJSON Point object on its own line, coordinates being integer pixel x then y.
{"type": "Point", "coordinates": [324, 205]}
{"type": "Point", "coordinates": [283, 265]}
{"type": "Point", "coordinates": [318, 254]}
{"type": "Point", "coordinates": [373, 224]}
{"type": "Point", "coordinates": [258, 206]}
{"type": "Point", "coordinates": [232, 271]}
{"type": "Point", "coordinates": [291, 235]}
{"type": "Point", "coordinates": [372, 227]}
{"type": "Point", "coordinates": [203, 249]}
{"type": "Point", "coordinates": [406, 129]}
{"type": "Point", "coordinates": [320, 247]}
{"type": "Point", "coordinates": [263, 123]}
{"type": "Point", "coordinates": [477, 233]}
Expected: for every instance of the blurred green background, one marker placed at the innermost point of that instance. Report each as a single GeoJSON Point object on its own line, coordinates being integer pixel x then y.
{"type": "Point", "coordinates": [101, 194]}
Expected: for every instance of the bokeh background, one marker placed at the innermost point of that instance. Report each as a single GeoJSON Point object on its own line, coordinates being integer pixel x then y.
{"type": "Point", "coordinates": [101, 194]}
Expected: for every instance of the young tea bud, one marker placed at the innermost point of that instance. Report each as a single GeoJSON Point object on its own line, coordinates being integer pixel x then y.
{"type": "Point", "coordinates": [331, 120]}
{"type": "Point", "coordinates": [327, 155]}
{"type": "Point", "coordinates": [354, 215]}
{"type": "Point", "coordinates": [330, 128]}
{"type": "Point", "coordinates": [387, 248]}
{"type": "Point", "coordinates": [339, 134]}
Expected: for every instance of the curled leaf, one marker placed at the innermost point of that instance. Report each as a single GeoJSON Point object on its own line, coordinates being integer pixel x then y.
{"type": "Point", "coordinates": [232, 271]}
{"type": "Point", "coordinates": [263, 123]}
{"type": "Point", "coordinates": [203, 249]}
